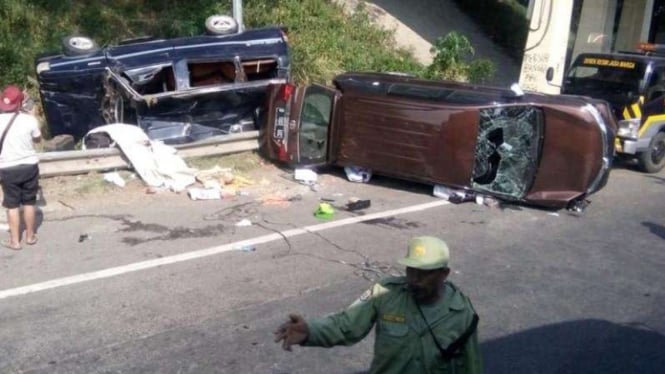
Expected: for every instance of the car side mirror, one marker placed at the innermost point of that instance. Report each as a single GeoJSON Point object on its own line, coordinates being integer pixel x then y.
{"type": "Point", "coordinates": [549, 74]}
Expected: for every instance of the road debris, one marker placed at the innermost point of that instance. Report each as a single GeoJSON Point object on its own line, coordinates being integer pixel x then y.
{"type": "Point", "coordinates": [244, 223]}
{"type": "Point", "coordinates": [446, 193]}
{"type": "Point", "coordinates": [215, 176]}
{"type": "Point", "coordinates": [305, 176]}
{"type": "Point", "coordinates": [115, 178]}
{"type": "Point", "coordinates": [324, 211]}
{"type": "Point", "coordinates": [357, 204]}
{"type": "Point", "coordinates": [487, 201]}
{"type": "Point", "coordinates": [358, 174]}
{"type": "Point", "coordinates": [155, 162]}
{"type": "Point", "coordinates": [204, 193]}
{"type": "Point", "coordinates": [280, 200]}
{"type": "Point", "coordinates": [244, 248]}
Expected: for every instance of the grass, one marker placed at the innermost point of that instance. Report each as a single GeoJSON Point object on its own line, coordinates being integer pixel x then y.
{"type": "Point", "coordinates": [94, 183]}
{"type": "Point", "coordinates": [240, 162]}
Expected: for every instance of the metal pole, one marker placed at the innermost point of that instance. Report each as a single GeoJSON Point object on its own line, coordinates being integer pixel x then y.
{"type": "Point", "coordinates": [237, 14]}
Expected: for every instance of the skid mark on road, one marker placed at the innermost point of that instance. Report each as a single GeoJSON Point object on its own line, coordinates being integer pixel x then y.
{"type": "Point", "coordinates": [137, 266]}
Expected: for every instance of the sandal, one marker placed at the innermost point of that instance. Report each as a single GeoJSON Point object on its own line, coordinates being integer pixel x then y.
{"type": "Point", "coordinates": [33, 241]}
{"type": "Point", "coordinates": [8, 244]}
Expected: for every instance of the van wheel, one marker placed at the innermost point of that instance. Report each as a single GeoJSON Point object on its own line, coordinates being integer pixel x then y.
{"type": "Point", "coordinates": [221, 25]}
{"type": "Point", "coordinates": [78, 46]}
{"type": "Point", "coordinates": [653, 159]}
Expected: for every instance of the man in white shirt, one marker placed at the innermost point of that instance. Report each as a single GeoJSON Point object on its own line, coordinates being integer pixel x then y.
{"type": "Point", "coordinates": [19, 170]}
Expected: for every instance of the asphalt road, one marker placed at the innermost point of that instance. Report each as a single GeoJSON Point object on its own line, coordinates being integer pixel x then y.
{"type": "Point", "coordinates": [155, 289]}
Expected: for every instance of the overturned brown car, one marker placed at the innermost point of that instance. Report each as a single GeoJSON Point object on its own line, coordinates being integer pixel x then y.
{"type": "Point", "coordinates": [544, 150]}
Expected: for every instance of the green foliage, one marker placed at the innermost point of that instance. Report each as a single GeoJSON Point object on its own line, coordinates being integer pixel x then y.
{"type": "Point", "coordinates": [324, 40]}
{"type": "Point", "coordinates": [481, 70]}
{"type": "Point", "coordinates": [452, 61]}
{"type": "Point", "coordinates": [503, 20]}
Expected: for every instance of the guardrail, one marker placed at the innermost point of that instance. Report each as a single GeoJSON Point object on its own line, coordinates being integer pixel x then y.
{"type": "Point", "coordinates": [53, 164]}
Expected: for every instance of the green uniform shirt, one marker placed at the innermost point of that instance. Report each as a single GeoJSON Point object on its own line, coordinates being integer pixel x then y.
{"type": "Point", "coordinates": [403, 342]}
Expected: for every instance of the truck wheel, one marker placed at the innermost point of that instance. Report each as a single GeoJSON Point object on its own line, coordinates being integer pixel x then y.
{"type": "Point", "coordinates": [78, 46]}
{"type": "Point", "coordinates": [653, 159]}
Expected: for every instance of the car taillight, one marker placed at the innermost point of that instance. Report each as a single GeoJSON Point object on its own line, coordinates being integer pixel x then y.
{"type": "Point", "coordinates": [281, 152]}
{"type": "Point", "coordinates": [287, 92]}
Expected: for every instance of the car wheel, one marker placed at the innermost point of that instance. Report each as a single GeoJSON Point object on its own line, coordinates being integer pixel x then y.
{"type": "Point", "coordinates": [653, 159]}
{"type": "Point", "coordinates": [79, 45]}
{"type": "Point", "coordinates": [221, 25]}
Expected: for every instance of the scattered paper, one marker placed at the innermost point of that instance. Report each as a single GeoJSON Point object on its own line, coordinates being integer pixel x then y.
{"type": "Point", "coordinates": [204, 194]}
{"type": "Point", "coordinates": [244, 223]}
{"type": "Point", "coordinates": [114, 178]}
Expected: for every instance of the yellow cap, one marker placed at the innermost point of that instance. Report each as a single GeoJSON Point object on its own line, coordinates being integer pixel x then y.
{"type": "Point", "coordinates": [426, 253]}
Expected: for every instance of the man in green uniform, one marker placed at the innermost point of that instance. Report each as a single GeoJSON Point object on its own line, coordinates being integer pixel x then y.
{"type": "Point", "coordinates": [423, 323]}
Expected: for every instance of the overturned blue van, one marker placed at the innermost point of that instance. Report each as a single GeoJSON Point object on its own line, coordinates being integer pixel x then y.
{"type": "Point", "coordinates": [177, 90]}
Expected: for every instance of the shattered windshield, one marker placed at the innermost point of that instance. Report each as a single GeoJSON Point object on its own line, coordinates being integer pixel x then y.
{"type": "Point", "coordinates": [507, 150]}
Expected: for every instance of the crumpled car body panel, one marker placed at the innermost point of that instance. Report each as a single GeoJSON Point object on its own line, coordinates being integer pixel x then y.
{"type": "Point", "coordinates": [534, 149]}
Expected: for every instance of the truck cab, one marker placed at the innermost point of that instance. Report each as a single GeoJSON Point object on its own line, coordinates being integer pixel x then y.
{"type": "Point", "coordinates": [634, 85]}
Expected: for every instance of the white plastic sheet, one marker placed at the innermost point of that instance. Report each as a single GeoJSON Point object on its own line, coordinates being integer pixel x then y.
{"type": "Point", "coordinates": [155, 162]}
{"type": "Point", "coordinates": [358, 174]}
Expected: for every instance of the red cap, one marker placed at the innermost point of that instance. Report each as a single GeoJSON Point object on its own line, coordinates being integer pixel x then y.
{"type": "Point", "coordinates": [11, 99]}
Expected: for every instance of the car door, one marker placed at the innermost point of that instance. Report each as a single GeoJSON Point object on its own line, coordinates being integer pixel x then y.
{"type": "Point", "coordinates": [298, 124]}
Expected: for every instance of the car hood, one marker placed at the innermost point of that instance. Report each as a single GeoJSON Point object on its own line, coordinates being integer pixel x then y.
{"type": "Point", "coordinates": [563, 175]}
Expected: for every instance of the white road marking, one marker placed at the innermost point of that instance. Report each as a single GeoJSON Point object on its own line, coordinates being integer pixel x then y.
{"type": "Point", "coordinates": [111, 272]}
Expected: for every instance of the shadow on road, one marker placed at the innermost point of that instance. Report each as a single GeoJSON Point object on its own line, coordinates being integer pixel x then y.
{"type": "Point", "coordinates": [583, 346]}
{"type": "Point", "coordinates": [656, 229]}
{"type": "Point", "coordinates": [659, 180]}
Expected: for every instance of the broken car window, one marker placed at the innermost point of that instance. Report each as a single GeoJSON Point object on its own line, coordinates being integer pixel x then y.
{"type": "Point", "coordinates": [211, 73]}
{"type": "Point", "coordinates": [151, 79]}
{"type": "Point", "coordinates": [260, 69]}
{"type": "Point", "coordinates": [507, 150]}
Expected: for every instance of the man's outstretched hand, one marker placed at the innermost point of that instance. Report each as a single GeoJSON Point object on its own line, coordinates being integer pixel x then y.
{"type": "Point", "coordinates": [294, 331]}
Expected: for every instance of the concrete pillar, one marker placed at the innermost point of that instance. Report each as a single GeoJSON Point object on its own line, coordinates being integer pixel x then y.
{"type": "Point", "coordinates": [546, 45]}
{"type": "Point", "coordinates": [634, 24]}
{"type": "Point", "coordinates": [594, 32]}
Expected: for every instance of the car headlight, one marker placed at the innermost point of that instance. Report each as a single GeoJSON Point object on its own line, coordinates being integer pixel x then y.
{"type": "Point", "coordinates": [43, 66]}
{"type": "Point", "coordinates": [628, 128]}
